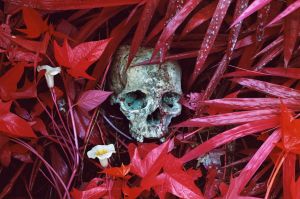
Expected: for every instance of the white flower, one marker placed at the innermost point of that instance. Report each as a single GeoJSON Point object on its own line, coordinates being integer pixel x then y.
{"type": "Point", "coordinates": [50, 73]}
{"type": "Point", "coordinates": [102, 152]}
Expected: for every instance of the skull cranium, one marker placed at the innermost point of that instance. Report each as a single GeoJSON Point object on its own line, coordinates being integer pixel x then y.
{"type": "Point", "coordinates": [148, 95]}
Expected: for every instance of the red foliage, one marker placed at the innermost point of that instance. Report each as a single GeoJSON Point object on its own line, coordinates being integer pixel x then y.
{"type": "Point", "coordinates": [78, 59]}
{"type": "Point", "coordinates": [35, 25]}
{"type": "Point", "coordinates": [240, 82]}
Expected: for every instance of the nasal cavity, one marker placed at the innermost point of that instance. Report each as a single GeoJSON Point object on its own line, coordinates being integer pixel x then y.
{"type": "Point", "coordinates": [154, 118]}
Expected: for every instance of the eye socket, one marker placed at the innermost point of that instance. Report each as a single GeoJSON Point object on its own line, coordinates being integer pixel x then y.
{"type": "Point", "coordinates": [135, 100]}
{"type": "Point", "coordinates": [169, 99]}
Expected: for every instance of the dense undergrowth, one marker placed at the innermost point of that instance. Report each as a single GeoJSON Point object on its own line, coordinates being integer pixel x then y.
{"type": "Point", "coordinates": [237, 137]}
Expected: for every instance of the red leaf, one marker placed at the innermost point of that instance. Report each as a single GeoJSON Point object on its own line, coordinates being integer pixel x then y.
{"type": "Point", "coordinates": [192, 100]}
{"type": "Point", "coordinates": [92, 98]}
{"type": "Point", "coordinates": [170, 29]}
{"type": "Point", "coordinates": [194, 173]}
{"type": "Point", "coordinates": [291, 29]}
{"type": "Point", "coordinates": [93, 193]}
{"type": "Point", "coordinates": [28, 91]}
{"type": "Point", "coordinates": [120, 172]}
{"type": "Point", "coordinates": [59, 164]}
{"type": "Point", "coordinates": [87, 29]}
{"type": "Point", "coordinates": [173, 7]}
{"type": "Point", "coordinates": [5, 35]}
{"type": "Point", "coordinates": [291, 8]}
{"type": "Point", "coordinates": [268, 57]}
{"type": "Point", "coordinates": [173, 178]}
{"type": "Point", "coordinates": [71, 4]}
{"type": "Point", "coordinates": [252, 103]}
{"type": "Point", "coordinates": [209, 38]}
{"type": "Point", "coordinates": [228, 136]}
{"type": "Point", "coordinates": [230, 118]}
{"type": "Point", "coordinates": [152, 163]}
{"type": "Point", "coordinates": [200, 17]}
{"type": "Point", "coordinates": [255, 6]}
{"type": "Point", "coordinates": [143, 149]}
{"type": "Point", "coordinates": [35, 25]}
{"type": "Point", "coordinates": [5, 155]}
{"type": "Point", "coordinates": [295, 189]}
{"type": "Point", "coordinates": [34, 46]}
{"type": "Point", "coordinates": [293, 73]}
{"type": "Point", "coordinates": [21, 153]}
{"type": "Point", "coordinates": [290, 130]}
{"type": "Point", "coordinates": [63, 55]}
{"type": "Point", "coordinates": [87, 53]}
{"type": "Point", "coordinates": [179, 184]}
{"type": "Point", "coordinates": [269, 88]}
{"type": "Point", "coordinates": [9, 81]}
{"type": "Point", "coordinates": [288, 175]}
{"type": "Point", "coordinates": [270, 46]}
{"type": "Point", "coordinates": [15, 126]}
{"type": "Point", "coordinates": [79, 58]}
{"type": "Point", "coordinates": [233, 37]}
{"type": "Point", "coordinates": [40, 127]}
{"type": "Point", "coordinates": [142, 28]}
{"type": "Point", "coordinates": [19, 55]}
{"type": "Point", "coordinates": [238, 184]}
{"type": "Point", "coordinates": [117, 35]}
{"type": "Point", "coordinates": [5, 107]}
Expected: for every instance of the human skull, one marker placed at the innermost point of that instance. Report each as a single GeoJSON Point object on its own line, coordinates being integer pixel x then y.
{"type": "Point", "coordinates": [148, 95]}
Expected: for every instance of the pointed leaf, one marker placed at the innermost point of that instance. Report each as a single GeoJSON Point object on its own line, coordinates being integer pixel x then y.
{"type": "Point", "coordinates": [59, 164]}
{"type": "Point", "coordinates": [35, 25]}
{"type": "Point", "coordinates": [289, 128]}
{"type": "Point", "coordinates": [87, 29]}
{"type": "Point", "coordinates": [9, 81]}
{"type": "Point", "coordinates": [173, 7]}
{"type": "Point", "coordinates": [15, 126]}
{"type": "Point", "coordinates": [253, 165]}
{"type": "Point", "coordinates": [200, 17]}
{"type": "Point", "coordinates": [93, 193]}
{"type": "Point", "coordinates": [63, 55]}
{"type": "Point", "coordinates": [252, 103]}
{"type": "Point", "coordinates": [269, 88]}
{"type": "Point", "coordinates": [87, 53]}
{"type": "Point", "coordinates": [209, 38]}
{"type": "Point", "coordinates": [255, 6]}
{"type": "Point", "coordinates": [233, 37]}
{"type": "Point", "coordinates": [34, 46]}
{"type": "Point", "coordinates": [230, 118]}
{"type": "Point", "coordinates": [79, 58]}
{"type": "Point", "coordinates": [228, 136]}
{"type": "Point", "coordinates": [291, 29]}
{"type": "Point", "coordinates": [118, 171]}
{"type": "Point", "coordinates": [170, 29]}
{"type": "Point", "coordinates": [291, 8]}
{"type": "Point", "coordinates": [288, 175]}
{"type": "Point", "coordinates": [179, 184]}
{"type": "Point", "coordinates": [142, 28]}
{"type": "Point", "coordinates": [293, 73]}
{"type": "Point", "coordinates": [152, 163]}
{"type": "Point", "coordinates": [117, 35]}
{"type": "Point", "coordinates": [92, 98]}
{"type": "Point", "coordinates": [71, 4]}
{"type": "Point", "coordinates": [5, 107]}
{"type": "Point", "coordinates": [270, 46]}
{"type": "Point", "coordinates": [268, 57]}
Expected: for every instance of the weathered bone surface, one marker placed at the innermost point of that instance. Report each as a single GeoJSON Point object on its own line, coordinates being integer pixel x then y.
{"type": "Point", "coordinates": [148, 95]}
